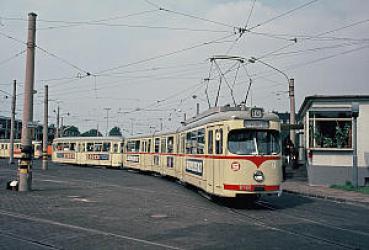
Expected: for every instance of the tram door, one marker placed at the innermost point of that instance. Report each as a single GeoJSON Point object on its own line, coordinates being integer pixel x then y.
{"type": "Point", "coordinates": [215, 149]}
{"type": "Point", "coordinates": [210, 161]}
{"type": "Point", "coordinates": [218, 150]}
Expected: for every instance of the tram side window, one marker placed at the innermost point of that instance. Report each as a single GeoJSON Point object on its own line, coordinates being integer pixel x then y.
{"type": "Point", "coordinates": [97, 147]}
{"type": "Point", "coordinates": [106, 147]}
{"type": "Point", "coordinates": [90, 147]}
{"type": "Point", "coordinates": [133, 146]}
{"type": "Point", "coordinates": [195, 142]}
{"type": "Point", "coordinates": [72, 146]}
{"type": "Point", "coordinates": [200, 141]}
{"type": "Point", "coordinates": [189, 143]}
{"type": "Point", "coordinates": [148, 149]}
{"type": "Point", "coordinates": [210, 142]}
{"type": "Point", "coordinates": [115, 148]}
{"type": "Point", "coordinates": [219, 141]}
{"type": "Point", "coordinates": [183, 143]}
{"type": "Point", "coordinates": [121, 147]}
{"type": "Point", "coordinates": [170, 145]}
{"type": "Point", "coordinates": [163, 145]}
{"type": "Point", "coordinates": [157, 145]}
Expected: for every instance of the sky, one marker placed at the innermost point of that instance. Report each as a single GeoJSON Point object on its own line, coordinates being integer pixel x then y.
{"type": "Point", "coordinates": [146, 63]}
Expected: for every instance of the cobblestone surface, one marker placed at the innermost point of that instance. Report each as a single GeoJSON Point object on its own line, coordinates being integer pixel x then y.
{"type": "Point", "coordinates": [74, 207]}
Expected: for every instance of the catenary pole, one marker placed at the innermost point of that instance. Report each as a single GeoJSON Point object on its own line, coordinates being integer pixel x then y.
{"type": "Point", "coordinates": [12, 123]}
{"type": "Point", "coordinates": [57, 122]}
{"type": "Point", "coordinates": [25, 166]}
{"type": "Point", "coordinates": [45, 130]}
{"type": "Point", "coordinates": [291, 93]}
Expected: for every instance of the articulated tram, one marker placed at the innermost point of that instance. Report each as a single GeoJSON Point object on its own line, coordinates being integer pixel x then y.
{"type": "Point", "coordinates": [225, 151]}
{"type": "Point", "coordinates": [5, 149]}
{"type": "Point", "coordinates": [100, 151]}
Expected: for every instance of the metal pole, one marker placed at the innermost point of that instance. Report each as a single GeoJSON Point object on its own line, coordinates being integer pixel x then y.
{"type": "Point", "coordinates": [291, 91]}
{"type": "Point", "coordinates": [57, 122]}
{"type": "Point", "coordinates": [25, 166]}
{"type": "Point", "coordinates": [12, 123]}
{"type": "Point", "coordinates": [61, 131]}
{"type": "Point", "coordinates": [197, 108]}
{"type": "Point", "coordinates": [107, 120]}
{"type": "Point", "coordinates": [354, 157]}
{"type": "Point", "coordinates": [45, 130]}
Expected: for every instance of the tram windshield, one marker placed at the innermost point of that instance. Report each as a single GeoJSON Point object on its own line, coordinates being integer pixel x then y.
{"type": "Point", "coordinates": [251, 142]}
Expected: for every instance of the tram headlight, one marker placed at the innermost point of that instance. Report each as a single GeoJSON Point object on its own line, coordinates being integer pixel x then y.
{"type": "Point", "coordinates": [258, 176]}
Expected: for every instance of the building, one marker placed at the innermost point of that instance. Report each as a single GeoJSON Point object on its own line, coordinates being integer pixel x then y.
{"type": "Point", "coordinates": [327, 138]}
{"type": "Point", "coordinates": [5, 128]}
{"type": "Point", "coordinates": [37, 132]}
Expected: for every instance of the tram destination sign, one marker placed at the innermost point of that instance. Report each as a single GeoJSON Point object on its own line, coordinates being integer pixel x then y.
{"type": "Point", "coordinates": [256, 124]}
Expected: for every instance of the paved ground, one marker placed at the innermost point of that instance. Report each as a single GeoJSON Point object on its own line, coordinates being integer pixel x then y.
{"type": "Point", "coordinates": [302, 188]}
{"type": "Point", "coordinates": [90, 208]}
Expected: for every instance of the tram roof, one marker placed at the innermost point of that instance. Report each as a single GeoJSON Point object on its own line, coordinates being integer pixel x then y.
{"type": "Point", "coordinates": [90, 138]}
{"type": "Point", "coordinates": [216, 114]}
{"type": "Point", "coordinates": [219, 114]}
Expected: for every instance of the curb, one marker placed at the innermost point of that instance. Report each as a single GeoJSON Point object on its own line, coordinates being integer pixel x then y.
{"type": "Point", "coordinates": [324, 197]}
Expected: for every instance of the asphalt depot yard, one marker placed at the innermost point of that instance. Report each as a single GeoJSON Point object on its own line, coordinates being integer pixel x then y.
{"type": "Point", "coordinates": [74, 207]}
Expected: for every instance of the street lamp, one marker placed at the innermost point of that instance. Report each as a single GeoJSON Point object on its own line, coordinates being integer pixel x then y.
{"type": "Point", "coordinates": [291, 91]}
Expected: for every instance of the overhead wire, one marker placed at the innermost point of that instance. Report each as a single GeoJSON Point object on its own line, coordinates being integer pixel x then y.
{"type": "Point", "coordinates": [12, 57]}
{"type": "Point", "coordinates": [164, 55]}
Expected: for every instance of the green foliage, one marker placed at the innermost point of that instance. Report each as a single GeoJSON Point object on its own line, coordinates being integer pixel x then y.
{"type": "Point", "coordinates": [71, 131]}
{"type": "Point", "coordinates": [349, 187]}
{"type": "Point", "coordinates": [91, 132]}
{"type": "Point", "coordinates": [115, 132]}
{"type": "Point", "coordinates": [342, 135]}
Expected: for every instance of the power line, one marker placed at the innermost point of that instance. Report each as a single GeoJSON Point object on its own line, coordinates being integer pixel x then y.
{"type": "Point", "coordinates": [164, 55]}
{"type": "Point", "coordinates": [64, 60]}
{"type": "Point", "coordinates": [317, 36]}
{"type": "Point", "coordinates": [135, 26]}
{"type": "Point", "coordinates": [196, 17]}
{"type": "Point", "coordinates": [248, 18]}
{"type": "Point", "coordinates": [74, 24]}
{"type": "Point", "coordinates": [283, 14]}
{"type": "Point", "coordinates": [12, 57]}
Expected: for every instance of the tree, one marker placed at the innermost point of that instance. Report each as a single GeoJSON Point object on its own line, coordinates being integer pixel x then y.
{"type": "Point", "coordinates": [115, 132]}
{"type": "Point", "coordinates": [91, 132]}
{"type": "Point", "coordinates": [71, 131]}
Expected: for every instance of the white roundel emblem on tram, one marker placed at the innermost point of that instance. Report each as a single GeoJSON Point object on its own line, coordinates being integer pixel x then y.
{"type": "Point", "coordinates": [258, 176]}
{"type": "Point", "coordinates": [235, 166]}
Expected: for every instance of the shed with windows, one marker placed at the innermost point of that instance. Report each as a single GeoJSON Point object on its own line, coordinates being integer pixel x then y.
{"type": "Point", "coordinates": [327, 138]}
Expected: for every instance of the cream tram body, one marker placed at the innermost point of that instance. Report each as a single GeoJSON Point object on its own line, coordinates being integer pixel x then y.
{"type": "Point", "coordinates": [227, 152]}
{"type": "Point", "coordinates": [102, 151]}
{"type": "Point", "coordinates": [5, 149]}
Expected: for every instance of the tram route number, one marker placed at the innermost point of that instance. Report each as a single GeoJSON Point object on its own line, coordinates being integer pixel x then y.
{"type": "Point", "coordinates": [65, 155]}
{"type": "Point", "coordinates": [97, 157]}
{"type": "Point", "coordinates": [194, 167]}
{"type": "Point", "coordinates": [133, 158]}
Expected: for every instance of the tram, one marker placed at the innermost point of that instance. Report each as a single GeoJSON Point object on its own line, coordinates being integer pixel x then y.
{"type": "Point", "coordinates": [225, 151]}
{"type": "Point", "coordinates": [101, 151]}
{"type": "Point", "coordinates": [5, 149]}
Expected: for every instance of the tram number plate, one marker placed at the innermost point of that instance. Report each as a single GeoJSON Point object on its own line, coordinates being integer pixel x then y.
{"type": "Point", "coordinates": [194, 167]}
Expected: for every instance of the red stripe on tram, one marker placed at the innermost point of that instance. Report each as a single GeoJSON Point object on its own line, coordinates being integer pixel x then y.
{"type": "Point", "coordinates": [249, 187]}
{"type": "Point", "coordinates": [257, 160]}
